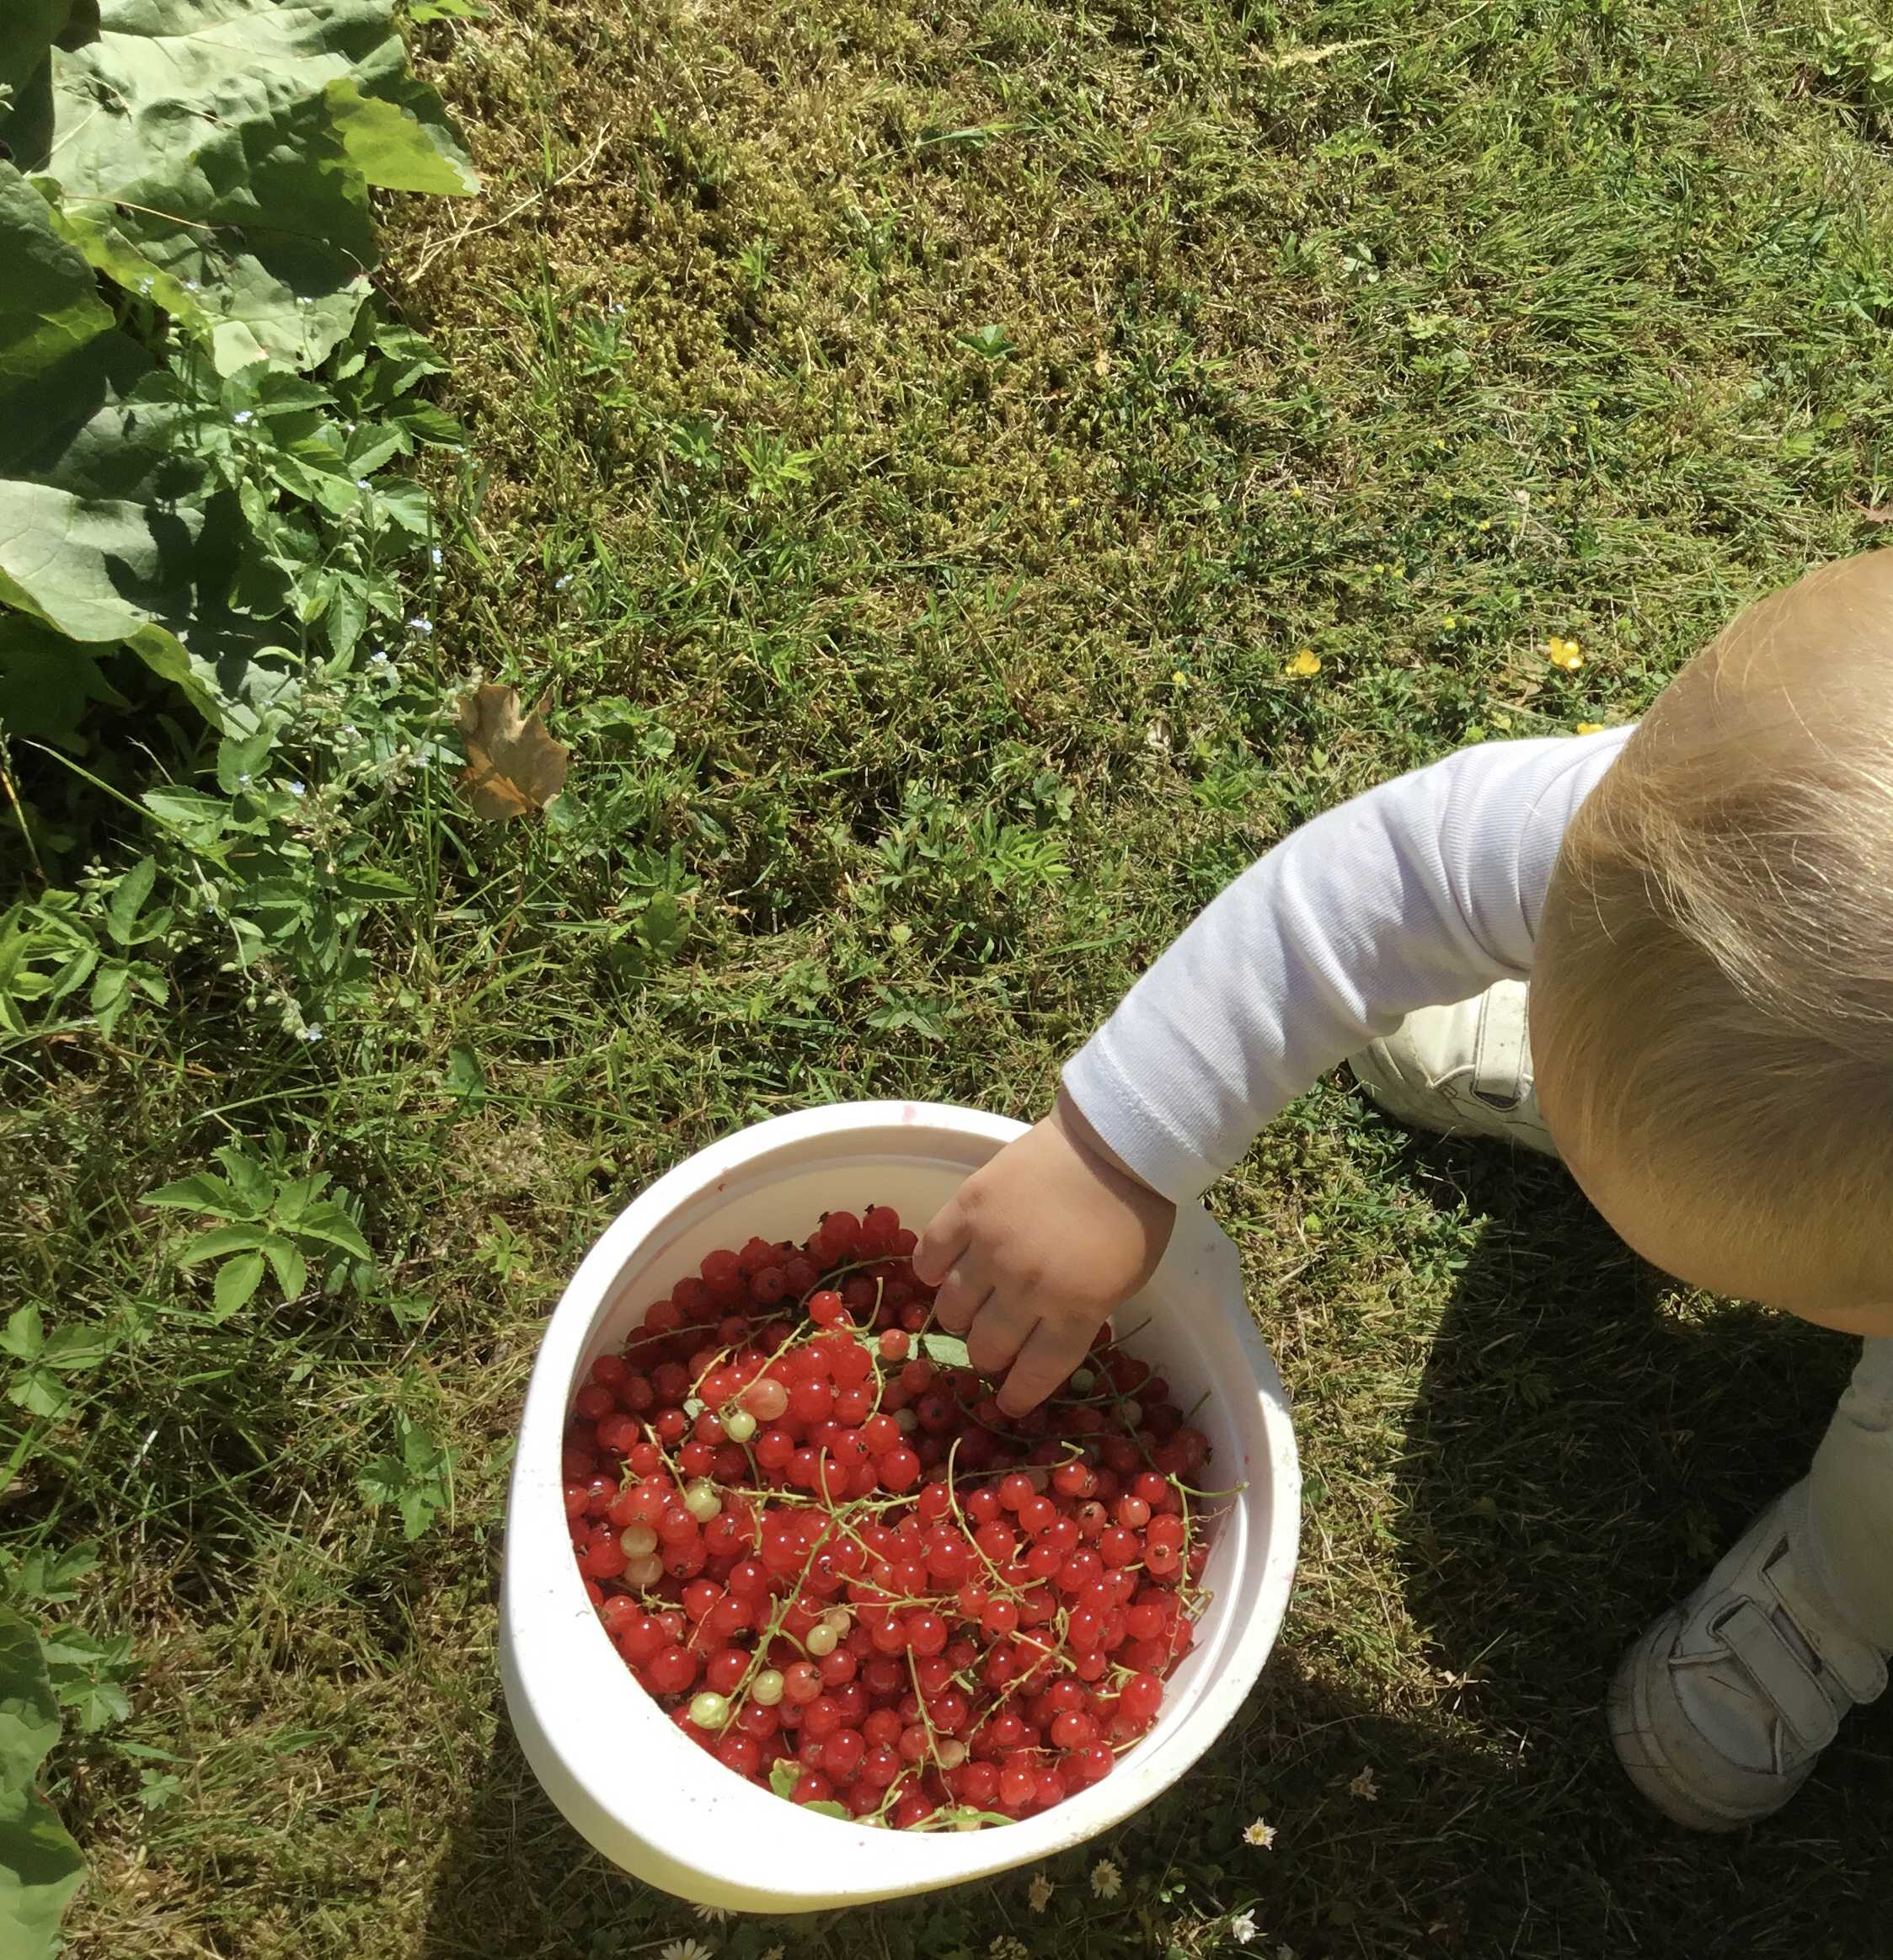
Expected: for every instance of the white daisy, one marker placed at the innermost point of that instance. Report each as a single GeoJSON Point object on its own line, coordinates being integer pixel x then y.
{"type": "Point", "coordinates": [1365, 1787]}
{"type": "Point", "coordinates": [1106, 1880]}
{"type": "Point", "coordinates": [686, 1950]}
{"type": "Point", "coordinates": [712, 1916]}
{"type": "Point", "coordinates": [1260, 1834]}
{"type": "Point", "coordinates": [1241, 1928]}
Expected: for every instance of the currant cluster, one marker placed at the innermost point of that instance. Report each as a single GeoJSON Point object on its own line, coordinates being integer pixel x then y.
{"type": "Point", "coordinates": [815, 1538]}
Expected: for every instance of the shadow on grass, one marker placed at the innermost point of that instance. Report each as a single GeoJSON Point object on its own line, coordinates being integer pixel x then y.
{"type": "Point", "coordinates": [1581, 1450]}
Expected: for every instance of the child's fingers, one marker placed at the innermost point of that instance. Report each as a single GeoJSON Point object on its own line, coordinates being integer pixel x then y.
{"type": "Point", "coordinates": [1050, 1353]}
{"type": "Point", "coordinates": [997, 1333]}
{"type": "Point", "coordinates": [960, 1297]}
{"type": "Point", "coordinates": [942, 1242]}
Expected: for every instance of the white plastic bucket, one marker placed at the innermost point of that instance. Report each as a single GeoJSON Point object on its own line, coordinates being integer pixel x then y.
{"type": "Point", "coordinates": [664, 1809]}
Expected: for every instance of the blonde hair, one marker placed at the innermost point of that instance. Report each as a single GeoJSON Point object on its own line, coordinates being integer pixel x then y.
{"type": "Point", "coordinates": [1714, 978]}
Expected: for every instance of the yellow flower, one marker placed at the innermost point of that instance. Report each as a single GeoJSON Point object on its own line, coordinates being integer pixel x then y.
{"type": "Point", "coordinates": [1565, 654]}
{"type": "Point", "coordinates": [1297, 491]}
{"type": "Point", "coordinates": [1179, 678]}
{"type": "Point", "coordinates": [1449, 623]}
{"type": "Point", "coordinates": [1378, 566]}
{"type": "Point", "coordinates": [1590, 728]}
{"type": "Point", "coordinates": [1306, 662]}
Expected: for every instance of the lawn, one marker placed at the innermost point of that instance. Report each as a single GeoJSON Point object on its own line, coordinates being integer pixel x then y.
{"type": "Point", "coordinates": [968, 477]}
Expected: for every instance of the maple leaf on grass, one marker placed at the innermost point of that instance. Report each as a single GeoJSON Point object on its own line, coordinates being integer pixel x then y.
{"type": "Point", "coordinates": [513, 764]}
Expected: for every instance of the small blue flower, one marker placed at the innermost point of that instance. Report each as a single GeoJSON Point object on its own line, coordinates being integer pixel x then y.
{"type": "Point", "coordinates": [312, 1033]}
{"type": "Point", "coordinates": [418, 625]}
{"type": "Point", "coordinates": [296, 788]}
{"type": "Point", "coordinates": [244, 416]}
{"type": "Point", "coordinates": [434, 553]}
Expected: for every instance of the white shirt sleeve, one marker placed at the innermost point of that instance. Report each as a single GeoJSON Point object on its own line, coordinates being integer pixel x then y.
{"type": "Point", "coordinates": [1421, 892]}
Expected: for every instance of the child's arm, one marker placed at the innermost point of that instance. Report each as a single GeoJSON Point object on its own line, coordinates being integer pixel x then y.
{"type": "Point", "coordinates": [1419, 893]}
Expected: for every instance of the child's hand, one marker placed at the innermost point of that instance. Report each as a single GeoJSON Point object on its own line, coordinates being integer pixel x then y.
{"type": "Point", "coordinates": [1036, 1251]}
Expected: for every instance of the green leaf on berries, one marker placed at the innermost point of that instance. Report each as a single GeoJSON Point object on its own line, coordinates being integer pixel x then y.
{"type": "Point", "coordinates": [964, 1817]}
{"type": "Point", "coordinates": [822, 1807]}
{"type": "Point", "coordinates": [785, 1776]}
{"type": "Point", "coordinates": [947, 1350]}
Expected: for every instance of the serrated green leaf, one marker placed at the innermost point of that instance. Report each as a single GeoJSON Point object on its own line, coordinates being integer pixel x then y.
{"type": "Point", "coordinates": [783, 1776]}
{"type": "Point", "coordinates": [199, 1193]}
{"type": "Point", "coordinates": [87, 1673]}
{"type": "Point", "coordinates": [40, 1864]}
{"type": "Point", "coordinates": [25, 1333]}
{"type": "Point", "coordinates": [331, 1225]}
{"type": "Point", "coordinates": [237, 1280]}
{"type": "Point", "coordinates": [225, 1240]}
{"type": "Point", "coordinates": [82, 1345]}
{"type": "Point", "coordinates": [128, 900]}
{"type": "Point", "coordinates": [50, 1576]}
{"type": "Point", "coordinates": [250, 1181]}
{"type": "Point", "coordinates": [464, 1077]}
{"type": "Point", "coordinates": [431, 425]}
{"type": "Point", "coordinates": [40, 1393]}
{"type": "Point", "coordinates": [291, 1268]}
{"type": "Point", "coordinates": [824, 1806]}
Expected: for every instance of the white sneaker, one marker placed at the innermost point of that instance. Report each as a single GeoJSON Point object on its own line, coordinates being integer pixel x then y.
{"type": "Point", "coordinates": [1465, 1071]}
{"type": "Point", "coordinates": [1720, 1712]}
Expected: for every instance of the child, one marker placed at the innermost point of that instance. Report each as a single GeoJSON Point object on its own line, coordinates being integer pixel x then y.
{"type": "Point", "coordinates": [1704, 908]}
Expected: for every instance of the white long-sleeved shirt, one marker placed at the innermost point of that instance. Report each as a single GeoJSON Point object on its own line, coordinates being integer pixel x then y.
{"type": "Point", "coordinates": [1421, 892]}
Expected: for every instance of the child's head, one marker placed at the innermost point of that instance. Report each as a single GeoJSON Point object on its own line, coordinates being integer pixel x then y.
{"type": "Point", "coordinates": [1712, 1010]}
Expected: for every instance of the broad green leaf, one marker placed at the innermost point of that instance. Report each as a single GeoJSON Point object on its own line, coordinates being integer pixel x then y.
{"type": "Point", "coordinates": [392, 148]}
{"type": "Point", "coordinates": [62, 357]}
{"type": "Point", "coordinates": [47, 680]}
{"type": "Point", "coordinates": [27, 29]}
{"type": "Point", "coordinates": [128, 900]}
{"type": "Point", "coordinates": [98, 568]}
{"type": "Point", "coordinates": [226, 1238]}
{"type": "Point", "coordinates": [40, 1864]}
{"type": "Point", "coordinates": [235, 173]}
{"type": "Point", "coordinates": [97, 233]}
{"type": "Point", "coordinates": [237, 1280]}
{"type": "Point", "coordinates": [784, 1776]}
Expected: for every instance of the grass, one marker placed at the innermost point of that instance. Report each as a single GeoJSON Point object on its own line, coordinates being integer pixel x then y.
{"type": "Point", "coordinates": [914, 443]}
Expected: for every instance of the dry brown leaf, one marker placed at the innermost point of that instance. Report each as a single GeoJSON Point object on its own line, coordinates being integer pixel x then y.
{"type": "Point", "coordinates": [1876, 513]}
{"type": "Point", "coordinates": [513, 765]}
